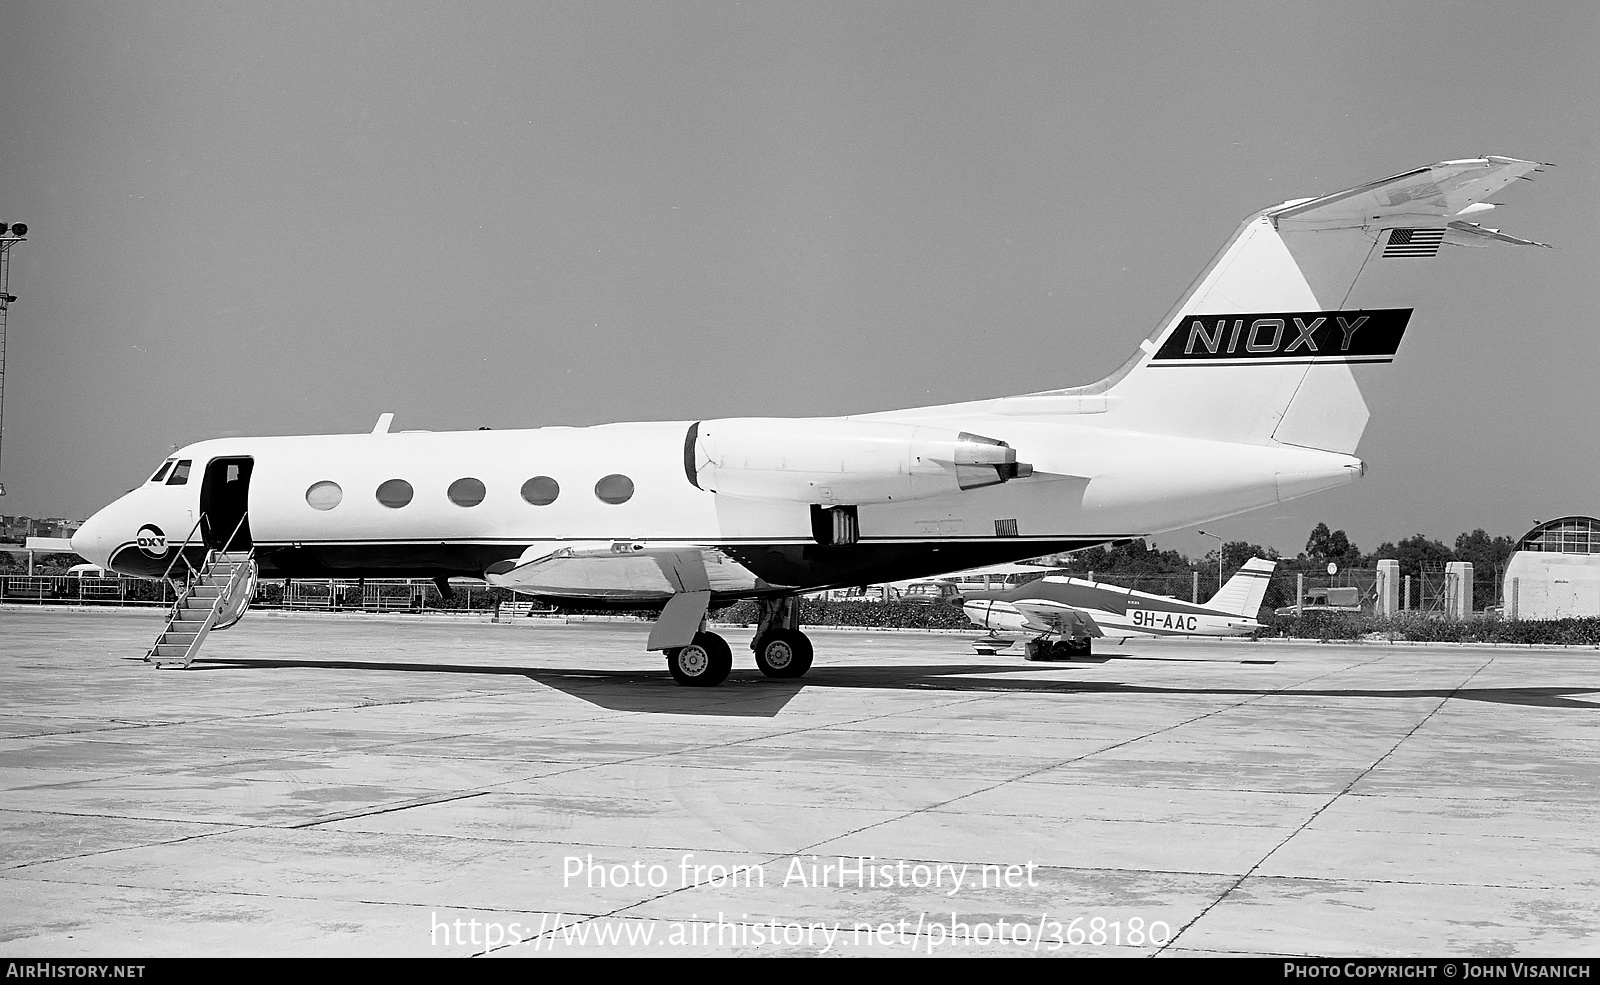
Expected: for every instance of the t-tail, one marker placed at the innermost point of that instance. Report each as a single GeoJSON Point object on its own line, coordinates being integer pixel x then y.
{"type": "Point", "coordinates": [1276, 339]}
{"type": "Point", "coordinates": [1242, 594]}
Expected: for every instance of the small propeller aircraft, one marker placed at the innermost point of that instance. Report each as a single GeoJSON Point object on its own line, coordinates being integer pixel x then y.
{"type": "Point", "coordinates": [1077, 610]}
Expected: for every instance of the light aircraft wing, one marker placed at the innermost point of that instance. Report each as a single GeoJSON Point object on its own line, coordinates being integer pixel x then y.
{"type": "Point", "coordinates": [1056, 618]}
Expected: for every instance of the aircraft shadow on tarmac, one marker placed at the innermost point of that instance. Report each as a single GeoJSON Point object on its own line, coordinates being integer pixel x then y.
{"type": "Point", "coordinates": [747, 694]}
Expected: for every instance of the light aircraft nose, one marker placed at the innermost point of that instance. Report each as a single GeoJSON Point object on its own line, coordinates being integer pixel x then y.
{"type": "Point", "coordinates": [978, 609]}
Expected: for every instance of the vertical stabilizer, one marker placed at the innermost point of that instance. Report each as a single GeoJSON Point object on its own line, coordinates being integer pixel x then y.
{"type": "Point", "coordinates": [1243, 593]}
{"type": "Point", "coordinates": [1303, 306]}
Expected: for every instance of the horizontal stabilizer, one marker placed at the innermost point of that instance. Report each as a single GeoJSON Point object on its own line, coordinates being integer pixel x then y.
{"type": "Point", "coordinates": [1459, 233]}
{"type": "Point", "coordinates": [1442, 190]}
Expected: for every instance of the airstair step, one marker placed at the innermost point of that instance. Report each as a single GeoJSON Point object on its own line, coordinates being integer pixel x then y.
{"type": "Point", "coordinates": [192, 612]}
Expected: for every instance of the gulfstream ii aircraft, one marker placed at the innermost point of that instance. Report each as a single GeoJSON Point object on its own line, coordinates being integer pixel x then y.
{"type": "Point", "coordinates": [1077, 610]}
{"type": "Point", "coordinates": [1248, 393]}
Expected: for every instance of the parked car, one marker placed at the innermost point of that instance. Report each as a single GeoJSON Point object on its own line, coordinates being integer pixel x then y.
{"type": "Point", "coordinates": [867, 593]}
{"type": "Point", "coordinates": [930, 593]}
{"type": "Point", "coordinates": [1326, 600]}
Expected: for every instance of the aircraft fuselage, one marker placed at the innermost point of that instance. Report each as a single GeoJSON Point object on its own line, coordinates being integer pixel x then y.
{"type": "Point", "coordinates": [330, 506]}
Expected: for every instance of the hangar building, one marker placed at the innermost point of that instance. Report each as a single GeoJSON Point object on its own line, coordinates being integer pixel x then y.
{"type": "Point", "coordinates": [1555, 571]}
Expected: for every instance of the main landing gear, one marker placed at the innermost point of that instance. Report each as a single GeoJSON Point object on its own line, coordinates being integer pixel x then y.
{"type": "Point", "coordinates": [1065, 649]}
{"type": "Point", "coordinates": [781, 650]}
{"type": "Point", "coordinates": [783, 653]}
{"type": "Point", "coordinates": [703, 663]}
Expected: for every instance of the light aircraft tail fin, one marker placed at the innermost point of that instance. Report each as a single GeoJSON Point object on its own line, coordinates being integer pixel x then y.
{"type": "Point", "coordinates": [1309, 299]}
{"type": "Point", "coordinates": [1243, 593]}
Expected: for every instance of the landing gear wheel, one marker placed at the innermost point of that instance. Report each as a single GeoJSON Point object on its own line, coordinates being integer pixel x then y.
{"type": "Point", "coordinates": [784, 653]}
{"type": "Point", "coordinates": [1076, 648]}
{"type": "Point", "coordinates": [1061, 650]}
{"type": "Point", "coordinates": [703, 663]}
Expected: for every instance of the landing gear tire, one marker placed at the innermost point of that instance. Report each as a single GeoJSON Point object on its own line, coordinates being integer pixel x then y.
{"type": "Point", "coordinates": [705, 662]}
{"type": "Point", "coordinates": [784, 653]}
{"type": "Point", "coordinates": [1058, 650]}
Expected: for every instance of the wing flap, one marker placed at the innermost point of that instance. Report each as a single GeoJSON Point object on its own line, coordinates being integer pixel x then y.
{"type": "Point", "coordinates": [621, 569]}
{"type": "Point", "coordinates": [1064, 619]}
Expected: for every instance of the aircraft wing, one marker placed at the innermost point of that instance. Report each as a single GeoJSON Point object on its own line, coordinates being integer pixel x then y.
{"type": "Point", "coordinates": [1057, 618]}
{"type": "Point", "coordinates": [604, 569]}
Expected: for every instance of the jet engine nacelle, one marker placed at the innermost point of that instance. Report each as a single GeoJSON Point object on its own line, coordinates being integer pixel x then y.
{"type": "Point", "coordinates": [841, 461]}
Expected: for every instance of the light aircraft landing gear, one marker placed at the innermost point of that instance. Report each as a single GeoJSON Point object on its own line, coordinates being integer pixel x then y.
{"type": "Point", "coordinates": [705, 662]}
{"type": "Point", "coordinates": [781, 650]}
{"type": "Point", "coordinates": [1066, 649]}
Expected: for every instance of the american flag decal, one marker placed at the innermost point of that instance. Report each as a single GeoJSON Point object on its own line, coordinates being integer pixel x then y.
{"type": "Point", "coordinates": [1413, 242]}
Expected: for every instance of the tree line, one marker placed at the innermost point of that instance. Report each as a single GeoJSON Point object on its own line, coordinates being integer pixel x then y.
{"type": "Point", "coordinates": [1140, 561]}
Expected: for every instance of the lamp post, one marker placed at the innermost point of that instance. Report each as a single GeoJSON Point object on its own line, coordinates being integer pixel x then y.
{"type": "Point", "coordinates": [11, 233]}
{"type": "Point", "coordinates": [1219, 555]}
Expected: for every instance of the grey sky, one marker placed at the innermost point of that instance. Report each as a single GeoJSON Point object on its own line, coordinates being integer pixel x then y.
{"type": "Point", "coordinates": [287, 218]}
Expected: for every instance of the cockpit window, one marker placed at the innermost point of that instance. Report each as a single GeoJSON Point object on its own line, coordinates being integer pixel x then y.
{"type": "Point", "coordinates": [161, 473]}
{"type": "Point", "coordinates": [180, 473]}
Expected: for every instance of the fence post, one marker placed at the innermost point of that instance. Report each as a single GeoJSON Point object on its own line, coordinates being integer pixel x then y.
{"type": "Point", "coordinates": [1194, 587]}
{"type": "Point", "coordinates": [1406, 601]}
{"type": "Point", "coordinates": [1299, 594]}
{"type": "Point", "coordinates": [1516, 586]}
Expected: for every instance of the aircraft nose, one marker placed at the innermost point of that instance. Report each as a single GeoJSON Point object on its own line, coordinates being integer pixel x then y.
{"type": "Point", "coordinates": [91, 542]}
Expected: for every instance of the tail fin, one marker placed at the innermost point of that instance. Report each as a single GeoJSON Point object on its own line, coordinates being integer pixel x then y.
{"type": "Point", "coordinates": [1243, 593]}
{"type": "Point", "coordinates": [1307, 301]}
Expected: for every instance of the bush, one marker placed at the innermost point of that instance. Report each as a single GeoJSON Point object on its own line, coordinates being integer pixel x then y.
{"type": "Point", "coordinates": [1417, 628]}
{"type": "Point", "coordinates": [889, 615]}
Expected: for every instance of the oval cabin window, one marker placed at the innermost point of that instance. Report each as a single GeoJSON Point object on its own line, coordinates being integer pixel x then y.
{"type": "Point", "coordinates": [395, 493]}
{"type": "Point", "coordinates": [541, 490]}
{"type": "Point", "coordinates": [466, 492]}
{"type": "Point", "coordinates": [614, 489]}
{"type": "Point", "coordinates": [324, 495]}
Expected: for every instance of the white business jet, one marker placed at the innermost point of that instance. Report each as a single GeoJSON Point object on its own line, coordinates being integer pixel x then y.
{"type": "Point", "coordinates": [1249, 393]}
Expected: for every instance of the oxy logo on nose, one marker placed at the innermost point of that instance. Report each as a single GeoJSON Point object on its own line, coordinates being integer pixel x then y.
{"type": "Point", "coordinates": [152, 541]}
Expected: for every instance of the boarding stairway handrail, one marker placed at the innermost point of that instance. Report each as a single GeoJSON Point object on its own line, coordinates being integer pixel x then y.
{"type": "Point", "coordinates": [190, 634]}
{"type": "Point", "coordinates": [182, 549]}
